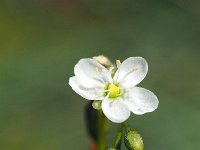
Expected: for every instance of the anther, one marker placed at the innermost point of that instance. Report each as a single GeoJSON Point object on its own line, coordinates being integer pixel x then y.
{"type": "Point", "coordinates": [118, 62]}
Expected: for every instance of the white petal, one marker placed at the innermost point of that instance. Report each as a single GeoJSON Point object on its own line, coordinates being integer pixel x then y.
{"type": "Point", "coordinates": [132, 71]}
{"type": "Point", "coordinates": [115, 110]}
{"type": "Point", "coordinates": [140, 100]}
{"type": "Point", "coordinates": [89, 70]}
{"type": "Point", "coordinates": [90, 93]}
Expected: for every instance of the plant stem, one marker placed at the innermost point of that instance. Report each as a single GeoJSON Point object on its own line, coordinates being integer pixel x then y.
{"type": "Point", "coordinates": [118, 139]}
{"type": "Point", "coordinates": [125, 125]}
{"type": "Point", "coordinates": [101, 144]}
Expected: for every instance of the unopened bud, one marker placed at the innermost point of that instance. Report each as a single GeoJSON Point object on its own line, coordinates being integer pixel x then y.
{"type": "Point", "coordinates": [133, 140]}
{"type": "Point", "coordinates": [103, 60]}
{"type": "Point", "coordinates": [96, 104]}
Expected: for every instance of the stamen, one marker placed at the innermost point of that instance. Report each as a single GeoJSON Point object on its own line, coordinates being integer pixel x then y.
{"type": "Point", "coordinates": [106, 91]}
{"type": "Point", "coordinates": [107, 95]}
{"type": "Point", "coordinates": [119, 94]}
{"type": "Point", "coordinates": [118, 63]}
{"type": "Point", "coordinates": [111, 69]}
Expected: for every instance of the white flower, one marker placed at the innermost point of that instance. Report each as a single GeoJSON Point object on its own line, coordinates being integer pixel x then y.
{"type": "Point", "coordinates": [118, 93]}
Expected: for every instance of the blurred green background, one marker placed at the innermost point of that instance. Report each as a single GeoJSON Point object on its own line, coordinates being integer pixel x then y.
{"type": "Point", "coordinates": [42, 40]}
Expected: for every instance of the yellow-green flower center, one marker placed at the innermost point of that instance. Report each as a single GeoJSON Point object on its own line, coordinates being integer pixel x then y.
{"type": "Point", "coordinates": [113, 90]}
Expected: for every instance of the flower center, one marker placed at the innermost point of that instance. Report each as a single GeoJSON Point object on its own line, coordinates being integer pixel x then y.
{"type": "Point", "coordinates": [113, 90]}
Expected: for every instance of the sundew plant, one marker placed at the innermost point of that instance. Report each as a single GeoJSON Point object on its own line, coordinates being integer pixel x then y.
{"type": "Point", "coordinates": [113, 92]}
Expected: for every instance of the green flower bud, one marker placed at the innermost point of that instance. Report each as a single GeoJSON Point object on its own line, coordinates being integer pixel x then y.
{"type": "Point", "coordinates": [96, 105]}
{"type": "Point", "coordinates": [133, 140]}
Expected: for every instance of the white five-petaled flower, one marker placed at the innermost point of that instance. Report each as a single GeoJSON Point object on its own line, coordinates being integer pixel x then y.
{"type": "Point", "coordinates": [118, 93]}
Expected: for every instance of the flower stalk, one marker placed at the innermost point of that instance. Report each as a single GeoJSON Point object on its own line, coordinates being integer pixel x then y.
{"type": "Point", "coordinates": [118, 140]}
{"type": "Point", "coordinates": [101, 143]}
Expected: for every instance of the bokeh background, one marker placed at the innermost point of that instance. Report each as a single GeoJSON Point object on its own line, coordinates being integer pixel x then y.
{"type": "Point", "coordinates": [42, 40]}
